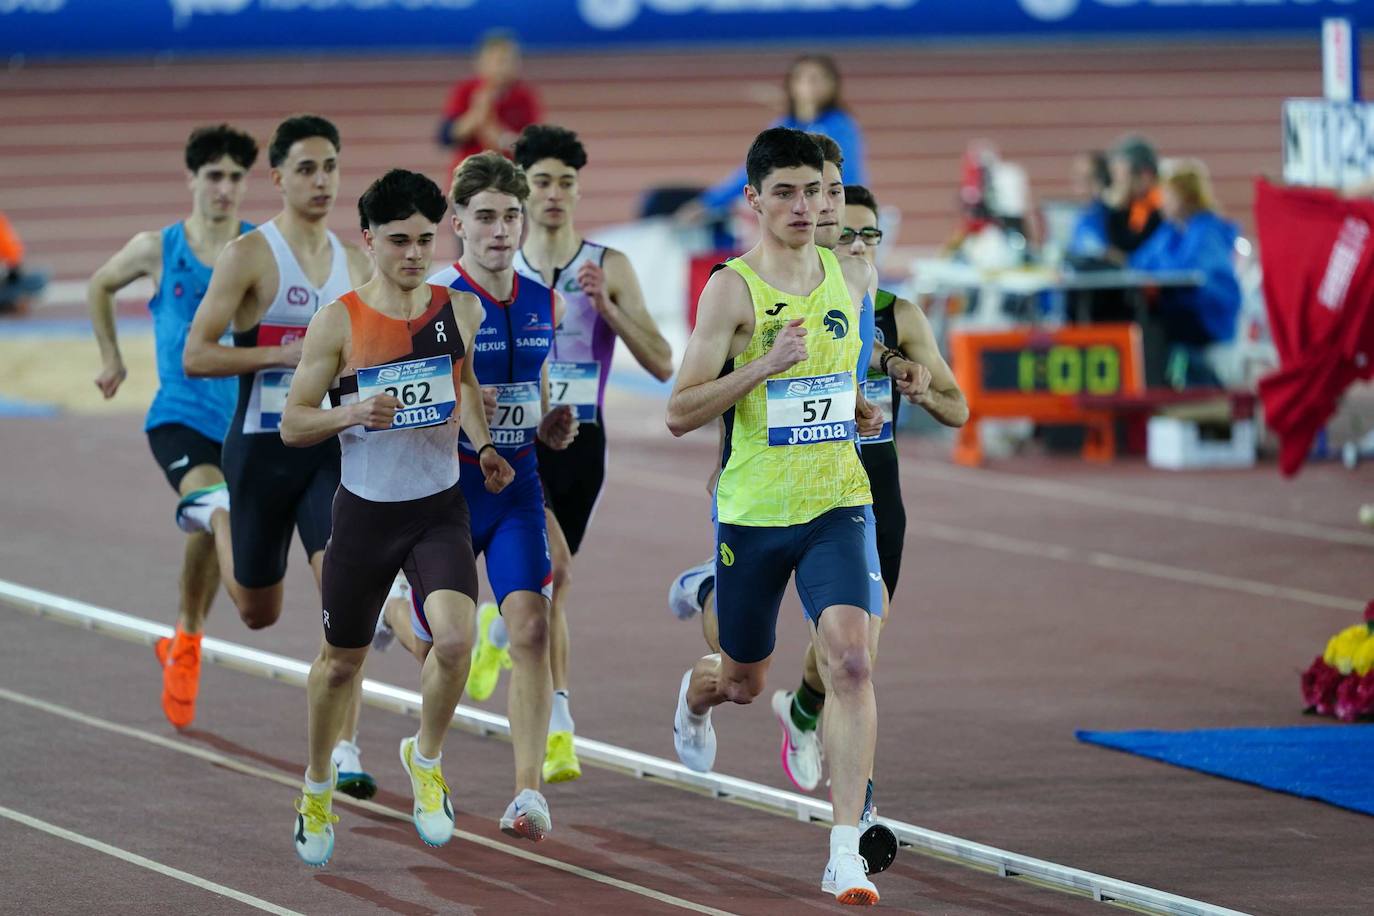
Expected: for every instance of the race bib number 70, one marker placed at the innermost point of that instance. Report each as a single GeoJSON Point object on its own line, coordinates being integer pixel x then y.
{"type": "Point", "coordinates": [811, 409]}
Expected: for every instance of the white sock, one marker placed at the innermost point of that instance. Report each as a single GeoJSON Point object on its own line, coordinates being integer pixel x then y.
{"type": "Point", "coordinates": [420, 760]}
{"type": "Point", "coordinates": [497, 634]}
{"type": "Point", "coordinates": [560, 719]}
{"type": "Point", "coordinates": [317, 788]}
{"type": "Point", "coordinates": [846, 838]}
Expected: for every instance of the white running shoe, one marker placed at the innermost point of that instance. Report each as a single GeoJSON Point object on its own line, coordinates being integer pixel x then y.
{"type": "Point", "coordinates": [527, 817]}
{"type": "Point", "coordinates": [695, 740]}
{"type": "Point", "coordinates": [801, 750]}
{"type": "Point", "coordinates": [315, 820]}
{"type": "Point", "coordinates": [433, 812]}
{"type": "Point", "coordinates": [196, 508]}
{"type": "Point", "coordinates": [351, 778]}
{"type": "Point", "coordinates": [846, 877]}
{"type": "Point", "coordinates": [682, 596]}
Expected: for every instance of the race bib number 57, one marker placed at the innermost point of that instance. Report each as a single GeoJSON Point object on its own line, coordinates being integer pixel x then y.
{"type": "Point", "coordinates": [423, 386]}
{"type": "Point", "coordinates": [811, 409]}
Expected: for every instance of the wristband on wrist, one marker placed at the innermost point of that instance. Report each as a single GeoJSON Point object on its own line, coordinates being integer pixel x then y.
{"type": "Point", "coordinates": [886, 358]}
{"type": "Point", "coordinates": [484, 448]}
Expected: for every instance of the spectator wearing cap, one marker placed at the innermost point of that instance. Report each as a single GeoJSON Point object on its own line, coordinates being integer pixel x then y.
{"type": "Point", "coordinates": [1192, 236]}
{"type": "Point", "coordinates": [1133, 198]}
{"type": "Point", "coordinates": [488, 111]}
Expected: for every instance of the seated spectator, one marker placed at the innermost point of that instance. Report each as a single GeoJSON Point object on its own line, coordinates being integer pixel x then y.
{"type": "Point", "coordinates": [18, 285]}
{"type": "Point", "coordinates": [1132, 198]}
{"type": "Point", "coordinates": [1092, 177]}
{"type": "Point", "coordinates": [1193, 236]}
{"type": "Point", "coordinates": [814, 105]}
{"type": "Point", "coordinates": [489, 110]}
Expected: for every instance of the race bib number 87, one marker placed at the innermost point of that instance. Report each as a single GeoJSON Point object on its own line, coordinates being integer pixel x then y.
{"type": "Point", "coordinates": [811, 409]}
{"type": "Point", "coordinates": [423, 386]}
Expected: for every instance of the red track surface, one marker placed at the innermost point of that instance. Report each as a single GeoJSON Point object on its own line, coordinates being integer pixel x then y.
{"type": "Point", "coordinates": [1024, 613]}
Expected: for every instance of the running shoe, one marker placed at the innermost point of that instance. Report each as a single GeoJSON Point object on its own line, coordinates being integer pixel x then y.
{"type": "Point", "coordinates": [682, 596]}
{"type": "Point", "coordinates": [801, 750]}
{"type": "Point", "coordinates": [487, 659]}
{"type": "Point", "coordinates": [180, 660]}
{"type": "Point", "coordinates": [877, 844]}
{"type": "Point", "coordinates": [527, 817]}
{"type": "Point", "coordinates": [433, 812]}
{"type": "Point", "coordinates": [352, 779]}
{"type": "Point", "coordinates": [560, 759]}
{"type": "Point", "coordinates": [195, 509]}
{"type": "Point", "coordinates": [846, 877]}
{"type": "Point", "coordinates": [695, 740]}
{"type": "Point", "coordinates": [315, 820]}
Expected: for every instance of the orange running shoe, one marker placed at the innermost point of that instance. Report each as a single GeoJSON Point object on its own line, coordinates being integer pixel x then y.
{"type": "Point", "coordinates": [180, 659]}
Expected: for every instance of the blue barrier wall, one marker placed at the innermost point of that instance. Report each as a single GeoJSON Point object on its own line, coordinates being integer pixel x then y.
{"type": "Point", "coordinates": [94, 27]}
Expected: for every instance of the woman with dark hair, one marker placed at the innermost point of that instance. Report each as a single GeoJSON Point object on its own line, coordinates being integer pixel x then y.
{"type": "Point", "coordinates": [815, 105]}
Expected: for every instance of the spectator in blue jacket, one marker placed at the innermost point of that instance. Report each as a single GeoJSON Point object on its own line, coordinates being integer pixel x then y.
{"type": "Point", "coordinates": [1193, 236]}
{"type": "Point", "coordinates": [814, 104]}
{"type": "Point", "coordinates": [1092, 177]}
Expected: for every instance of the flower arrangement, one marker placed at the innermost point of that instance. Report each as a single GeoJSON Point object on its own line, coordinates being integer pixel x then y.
{"type": "Point", "coordinates": [1340, 681]}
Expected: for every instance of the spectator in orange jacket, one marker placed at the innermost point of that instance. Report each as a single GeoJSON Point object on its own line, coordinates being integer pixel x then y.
{"type": "Point", "coordinates": [17, 286]}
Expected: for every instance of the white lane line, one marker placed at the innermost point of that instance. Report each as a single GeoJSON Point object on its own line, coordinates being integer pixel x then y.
{"type": "Point", "coordinates": [232, 763]}
{"type": "Point", "coordinates": [1119, 502]}
{"type": "Point", "coordinates": [1032, 548]}
{"type": "Point", "coordinates": [142, 862]}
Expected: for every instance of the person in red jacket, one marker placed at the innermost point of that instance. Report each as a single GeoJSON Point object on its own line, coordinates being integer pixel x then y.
{"type": "Point", "coordinates": [489, 110]}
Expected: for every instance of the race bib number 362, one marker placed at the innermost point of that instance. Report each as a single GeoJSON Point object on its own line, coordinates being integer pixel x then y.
{"type": "Point", "coordinates": [811, 409]}
{"type": "Point", "coordinates": [423, 386]}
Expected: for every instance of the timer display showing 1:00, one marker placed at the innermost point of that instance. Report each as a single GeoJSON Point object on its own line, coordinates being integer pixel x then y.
{"type": "Point", "coordinates": [1061, 370]}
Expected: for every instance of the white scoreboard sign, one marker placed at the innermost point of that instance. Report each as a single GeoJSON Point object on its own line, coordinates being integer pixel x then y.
{"type": "Point", "coordinates": [1328, 144]}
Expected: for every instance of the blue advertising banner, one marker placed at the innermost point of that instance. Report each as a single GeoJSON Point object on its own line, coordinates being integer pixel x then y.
{"type": "Point", "coordinates": [91, 27]}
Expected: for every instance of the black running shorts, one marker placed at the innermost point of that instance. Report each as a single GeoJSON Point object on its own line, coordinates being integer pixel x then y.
{"type": "Point", "coordinates": [880, 461]}
{"type": "Point", "coordinates": [273, 488]}
{"type": "Point", "coordinates": [573, 478]}
{"type": "Point", "coordinates": [430, 539]}
{"type": "Point", "coordinates": [179, 448]}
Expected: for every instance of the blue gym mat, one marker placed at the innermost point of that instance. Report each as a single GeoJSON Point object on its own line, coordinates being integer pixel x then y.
{"type": "Point", "coordinates": [1327, 763]}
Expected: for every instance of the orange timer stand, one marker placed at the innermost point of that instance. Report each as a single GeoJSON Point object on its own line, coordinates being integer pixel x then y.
{"type": "Point", "coordinates": [1041, 375]}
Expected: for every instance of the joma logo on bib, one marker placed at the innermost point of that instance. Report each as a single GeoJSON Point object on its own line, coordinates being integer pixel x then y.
{"type": "Point", "coordinates": [826, 432]}
{"type": "Point", "coordinates": [417, 416]}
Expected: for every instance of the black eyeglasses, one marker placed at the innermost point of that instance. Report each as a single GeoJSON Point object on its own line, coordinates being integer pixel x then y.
{"type": "Point", "coordinates": [870, 236]}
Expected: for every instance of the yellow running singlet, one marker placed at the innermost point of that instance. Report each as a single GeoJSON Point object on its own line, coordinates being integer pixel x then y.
{"type": "Point", "coordinates": [790, 451]}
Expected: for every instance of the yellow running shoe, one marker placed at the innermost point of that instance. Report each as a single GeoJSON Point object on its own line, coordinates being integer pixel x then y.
{"type": "Point", "coordinates": [433, 812]}
{"type": "Point", "coordinates": [315, 820]}
{"type": "Point", "coordinates": [560, 760]}
{"type": "Point", "coordinates": [487, 659]}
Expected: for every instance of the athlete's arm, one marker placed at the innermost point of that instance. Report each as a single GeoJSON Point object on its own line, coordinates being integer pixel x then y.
{"type": "Point", "coordinates": [723, 313]}
{"type": "Point", "coordinates": [619, 300]}
{"type": "Point", "coordinates": [233, 287]}
{"type": "Point", "coordinates": [304, 422]}
{"type": "Point", "coordinates": [140, 257]}
{"type": "Point", "coordinates": [942, 398]}
{"type": "Point", "coordinates": [467, 309]}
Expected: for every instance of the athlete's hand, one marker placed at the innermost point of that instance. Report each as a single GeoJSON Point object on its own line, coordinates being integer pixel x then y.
{"type": "Point", "coordinates": [489, 402]}
{"type": "Point", "coordinates": [111, 376]}
{"type": "Point", "coordinates": [496, 470]}
{"type": "Point", "coordinates": [289, 353]}
{"type": "Point", "coordinates": [912, 379]}
{"type": "Point", "coordinates": [789, 348]}
{"type": "Point", "coordinates": [868, 417]}
{"type": "Point", "coordinates": [558, 428]}
{"type": "Point", "coordinates": [592, 279]}
{"type": "Point", "coordinates": [377, 412]}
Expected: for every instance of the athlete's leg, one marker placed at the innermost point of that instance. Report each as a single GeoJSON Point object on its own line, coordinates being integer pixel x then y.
{"type": "Point", "coordinates": [531, 689]}
{"type": "Point", "coordinates": [841, 641]}
{"type": "Point", "coordinates": [330, 690]}
{"type": "Point", "coordinates": [710, 626]}
{"type": "Point", "coordinates": [397, 614]}
{"type": "Point", "coordinates": [451, 617]}
{"type": "Point", "coordinates": [561, 557]}
{"type": "Point", "coordinates": [718, 679]}
{"type": "Point", "coordinates": [199, 566]}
